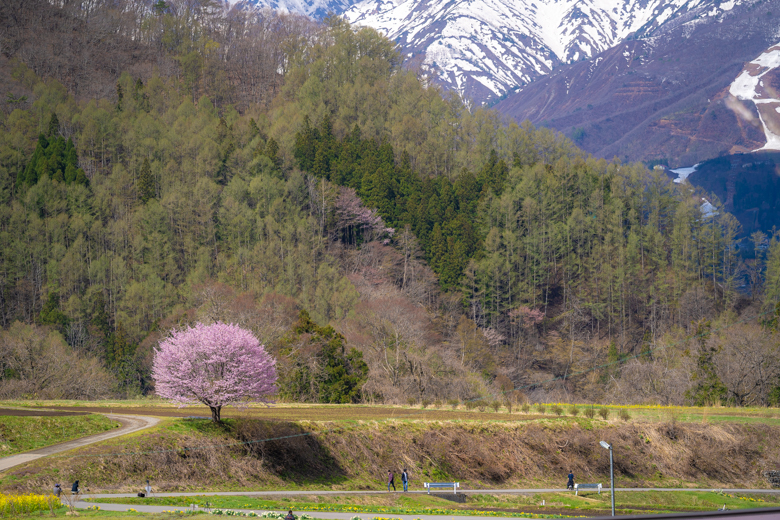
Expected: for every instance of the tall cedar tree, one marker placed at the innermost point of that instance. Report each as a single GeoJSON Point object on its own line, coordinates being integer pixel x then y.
{"type": "Point", "coordinates": [146, 187]}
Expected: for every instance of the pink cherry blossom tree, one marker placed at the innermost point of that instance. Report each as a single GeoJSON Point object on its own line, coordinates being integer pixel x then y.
{"type": "Point", "coordinates": [217, 365]}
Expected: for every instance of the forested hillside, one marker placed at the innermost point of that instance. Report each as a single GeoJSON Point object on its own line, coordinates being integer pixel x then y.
{"type": "Point", "coordinates": [377, 234]}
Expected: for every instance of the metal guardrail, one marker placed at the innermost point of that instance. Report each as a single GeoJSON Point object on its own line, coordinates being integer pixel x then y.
{"type": "Point", "coordinates": [453, 485]}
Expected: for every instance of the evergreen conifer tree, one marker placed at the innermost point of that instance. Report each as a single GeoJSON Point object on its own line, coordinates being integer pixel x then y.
{"type": "Point", "coordinates": [146, 188]}
{"type": "Point", "coordinates": [54, 126]}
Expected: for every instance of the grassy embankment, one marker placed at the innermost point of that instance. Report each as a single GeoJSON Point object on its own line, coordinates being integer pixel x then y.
{"type": "Point", "coordinates": [658, 447]}
{"type": "Point", "coordinates": [20, 434]}
{"type": "Point", "coordinates": [351, 447]}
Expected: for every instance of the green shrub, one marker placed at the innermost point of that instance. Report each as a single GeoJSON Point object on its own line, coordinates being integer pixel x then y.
{"type": "Point", "coordinates": [540, 408]}
{"type": "Point", "coordinates": [573, 411]}
{"type": "Point", "coordinates": [495, 405]}
{"type": "Point", "coordinates": [526, 407]}
{"type": "Point", "coordinates": [508, 403]}
{"type": "Point", "coordinates": [604, 413]}
{"type": "Point", "coordinates": [437, 403]}
{"type": "Point", "coordinates": [624, 415]}
{"type": "Point", "coordinates": [471, 404]}
{"type": "Point", "coordinates": [589, 412]}
{"type": "Point", "coordinates": [453, 403]}
{"type": "Point", "coordinates": [557, 410]}
{"type": "Point", "coordinates": [425, 403]}
{"type": "Point", "coordinates": [411, 401]}
{"type": "Point", "coordinates": [481, 404]}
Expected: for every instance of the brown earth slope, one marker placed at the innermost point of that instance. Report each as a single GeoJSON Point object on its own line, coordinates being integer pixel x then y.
{"type": "Point", "coordinates": [256, 454]}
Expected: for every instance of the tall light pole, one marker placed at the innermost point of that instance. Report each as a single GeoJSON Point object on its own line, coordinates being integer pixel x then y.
{"type": "Point", "coordinates": [611, 474]}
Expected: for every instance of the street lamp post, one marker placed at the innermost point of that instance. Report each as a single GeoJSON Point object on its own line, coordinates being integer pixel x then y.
{"type": "Point", "coordinates": [611, 474]}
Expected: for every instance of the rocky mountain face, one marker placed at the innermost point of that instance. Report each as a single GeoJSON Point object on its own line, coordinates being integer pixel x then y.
{"type": "Point", "coordinates": [486, 48]}
{"type": "Point", "coordinates": [692, 89]}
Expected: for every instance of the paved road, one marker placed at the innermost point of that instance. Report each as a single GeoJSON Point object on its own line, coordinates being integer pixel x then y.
{"type": "Point", "coordinates": [129, 424]}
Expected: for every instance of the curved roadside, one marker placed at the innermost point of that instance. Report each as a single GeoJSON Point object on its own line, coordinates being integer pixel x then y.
{"type": "Point", "coordinates": [129, 424]}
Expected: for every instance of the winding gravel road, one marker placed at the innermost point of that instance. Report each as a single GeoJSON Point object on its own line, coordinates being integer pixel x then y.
{"type": "Point", "coordinates": [129, 424]}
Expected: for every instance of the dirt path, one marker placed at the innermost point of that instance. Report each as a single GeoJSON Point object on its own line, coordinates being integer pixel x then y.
{"type": "Point", "coordinates": [129, 424]}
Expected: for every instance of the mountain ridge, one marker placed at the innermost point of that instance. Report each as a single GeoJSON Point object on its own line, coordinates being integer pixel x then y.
{"type": "Point", "coordinates": [663, 98]}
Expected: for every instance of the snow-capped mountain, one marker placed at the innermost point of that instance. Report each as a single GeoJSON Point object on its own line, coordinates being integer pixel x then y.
{"type": "Point", "coordinates": [314, 8]}
{"type": "Point", "coordinates": [485, 48]}
{"type": "Point", "coordinates": [697, 87]}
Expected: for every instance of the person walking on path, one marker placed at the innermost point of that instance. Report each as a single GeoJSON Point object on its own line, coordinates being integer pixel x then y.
{"type": "Point", "coordinates": [74, 490]}
{"type": "Point", "coordinates": [570, 484]}
{"type": "Point", "coordinates": [405, 480]}
{"type": "Point", "coordinates": [390, 480]}
{"type": "Point", "coordinates": [148, 488]}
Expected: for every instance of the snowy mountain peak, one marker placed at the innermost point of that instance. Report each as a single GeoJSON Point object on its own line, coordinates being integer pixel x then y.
{"type": "Point", "coordinates": [484, 48]}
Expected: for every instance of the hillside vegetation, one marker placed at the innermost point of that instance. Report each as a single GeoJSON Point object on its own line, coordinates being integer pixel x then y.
{"type": "Point", "coordinates": [330, 199]}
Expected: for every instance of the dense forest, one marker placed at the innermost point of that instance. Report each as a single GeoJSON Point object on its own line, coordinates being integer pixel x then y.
{"type": "Point", "coordinates": [168, 162]}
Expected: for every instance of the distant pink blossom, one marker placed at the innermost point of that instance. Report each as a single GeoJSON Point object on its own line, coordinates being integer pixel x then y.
{"type": "Point", "coordinates": [216, 365]}
{"type": "Point", "coordinates": [350, 211]}
{"type": "Point", "coordinates": [493, 337]}
{"type": "Point", "coordinates": [526, 316]}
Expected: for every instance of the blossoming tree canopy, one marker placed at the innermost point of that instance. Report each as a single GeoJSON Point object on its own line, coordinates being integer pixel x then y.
{"type": "Point", "coordinates": [217, 365]}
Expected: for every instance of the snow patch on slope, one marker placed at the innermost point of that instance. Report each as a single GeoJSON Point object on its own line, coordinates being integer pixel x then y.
{"type": "Point", "coordinates": [748, 86]}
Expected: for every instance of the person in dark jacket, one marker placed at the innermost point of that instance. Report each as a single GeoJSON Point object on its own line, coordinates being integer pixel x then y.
{"type": "Point", "coordinates": [570, 484]}
{"type": "Point", "coordinates": [390, 480]}
{"type": "Point", "coordinates": [74, 490]}
{"type": "Point", "coordinates": [289, 516]}
{"type": "Point", "coordinates": [405, 479]}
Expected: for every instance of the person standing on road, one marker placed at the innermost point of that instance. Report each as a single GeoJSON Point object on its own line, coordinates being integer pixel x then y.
{"type": "Point", "coordinates": [405, 480]}
{"type": "Point", "coordinates": [570, 484]}
{"type": "Point", "coordinates": [57, 490]}
{"type": "Point", "coordinates": [148, 488]}
{"type": "Point", "coordinates": [74, 490]}
{"type": "Point", "coordinates": [390, 480]}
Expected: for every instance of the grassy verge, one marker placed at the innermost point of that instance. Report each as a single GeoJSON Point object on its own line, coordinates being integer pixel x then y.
{"type": "Point", "coordinates": [637, 501]}
{"type": "Point", "coordinates": [20, 434]}
{"type": "Point", "coordinates": [319, 412]}
{"type": "Point", "coordinates": [477, 505]}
